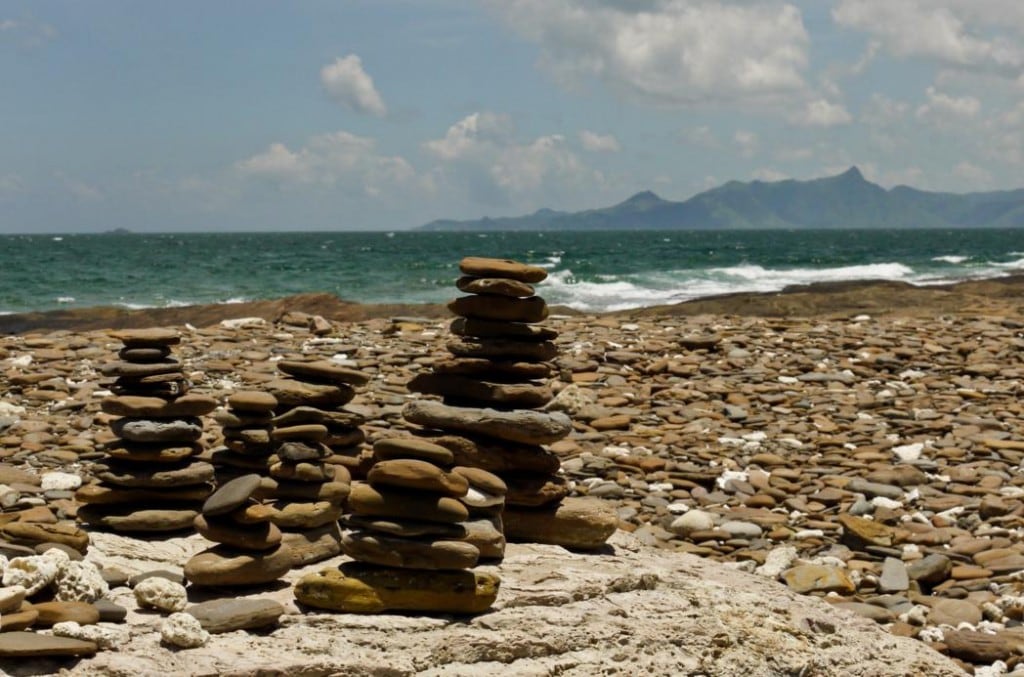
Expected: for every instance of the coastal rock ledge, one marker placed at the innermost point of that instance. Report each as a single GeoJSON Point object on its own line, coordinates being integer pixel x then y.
{"type": "Point", "coordinates": [629, 610]}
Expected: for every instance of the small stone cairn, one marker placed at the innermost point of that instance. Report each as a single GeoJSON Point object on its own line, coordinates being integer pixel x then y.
{"type": "Point", "coordinates": [246, 425]}
{"type": "Point", "coordinates": [151, 480]}
{"type": "Point", "coordinates": [494, 391]}
{"type": "Point", "coordinates": [315, 442]}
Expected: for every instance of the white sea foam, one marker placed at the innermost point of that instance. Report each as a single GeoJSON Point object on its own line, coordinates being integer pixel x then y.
{"type": "Point", "coordinates": [65, 299]}
{"type": "Point", "coordinates": [951, 259]}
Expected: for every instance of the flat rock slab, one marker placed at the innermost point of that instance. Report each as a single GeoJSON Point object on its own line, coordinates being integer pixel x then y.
{"type": "Point", "coordinates": [523, 426]}
{"type": "Point", "coordinates": [225, 615]}
{"type": "Point", "coordinates": [555, 612]}
{"type": "Point", "coordinates": [29, 644]}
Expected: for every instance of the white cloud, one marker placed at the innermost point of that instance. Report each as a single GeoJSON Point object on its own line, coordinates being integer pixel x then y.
{"type": "Point", "coordinates": [599, 143]}
{"type": "Point", "coordinates": [768, 174]}
{"type": "Point", "coordinates": [337, 160]}
{"type": "Point", "coordinates": [746, 141]}
{"type": "Point", "coordinates": [822, 113]}
{"type": "Point", "coordinates": [975, 176]}
{"type": "Point", "coordinates": [881, 111]}
{"type": "Point", "coordinates": [480, 154]}
{"type": "Point", "coordinates": [673, 52]}
{"type": "Point", "coordinates": [346, 82]}
{"type": "Point", "coordinates": [942, 106]}
{"type": "Point", "coordinates": [27, 31]}
{"type": "Point", "coordinates": [956, 33]}
{"type": "Point", "coordinates": [702, 136]}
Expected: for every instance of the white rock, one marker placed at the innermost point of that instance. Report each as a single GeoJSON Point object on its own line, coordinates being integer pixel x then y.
{"type": "Point", "coordinates": [887, 503]}
{"type": "Point", "coordinates": [103, 635]}
{"type": "Point", "coordinates": [740, 529]}
{"type": "Point", "coordinates": [571, 399]}
{"type": "Point", "coordinates": [776, 561]}
{"type": "Point", "coordinates": [79, 582]}
{"type": "Point", "coordinates": [909, 452]}
{"type": "Point", "coordinates": [694, 520]}
{"type": "Point", "coordinates": [478, 499]}
{"type": "Point", "coordinates": [8, 496]}
{"type": "Point", "coordinates": [9, 409]}
{"type": "Point", "coordinates": [729, 475]}
{"type": "Point", "coordinates": [11, 598]}
{"type": "Point", "coordinates": [36, 571]}
{"type": "Point", "coordinates": [243, 323]}
{"type": "Point", "coordinates": [60, 481]}
{"type": "Point", "coordinates": [183, 630]}
{"type": "Point", "coordinates": [160, 593]}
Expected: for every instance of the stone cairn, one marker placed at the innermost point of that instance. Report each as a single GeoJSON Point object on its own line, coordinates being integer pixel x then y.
{"type": "Point", "coordinates": [315, 441]}
{"type": "Point", "coordinates": [250, 550]}
{"type": "Point", "coordinates": [150, 480]}
{"type": "Point", "coordinates": [492, 417]}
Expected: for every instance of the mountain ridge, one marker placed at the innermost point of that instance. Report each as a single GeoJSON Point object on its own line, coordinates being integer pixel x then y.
{"type": "Point", "coordinates": [846, 200]}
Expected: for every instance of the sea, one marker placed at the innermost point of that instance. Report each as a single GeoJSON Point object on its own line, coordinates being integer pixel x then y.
{"type": "Point", "coordinates": [590, 271]}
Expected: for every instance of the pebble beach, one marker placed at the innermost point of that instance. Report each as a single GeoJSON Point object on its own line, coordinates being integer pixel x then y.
{"type": "Point", "coordinates": [861, 443]}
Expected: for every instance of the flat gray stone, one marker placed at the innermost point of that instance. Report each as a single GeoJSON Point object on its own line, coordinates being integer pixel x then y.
{"type": "Point", "coordinates": [231, 495]}
{"type": "Point", "coordinates": [225, 615]}
{"type": "Point", "coordinates": [523, 426]}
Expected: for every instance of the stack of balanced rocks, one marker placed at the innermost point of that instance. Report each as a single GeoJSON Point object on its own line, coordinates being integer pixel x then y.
{"type": "Point", "coordinates": [494, 392]}
{"type": "Point", "coordinates": [407, 536]}
{"type": "Point", "coordinates": [150, 480]}
{"type": "Point", "coordinates": [250, 551]}
{"type": "Point", "coordinates": [246, 426]}
{"type": "Point", "coordinates": [315, 443]}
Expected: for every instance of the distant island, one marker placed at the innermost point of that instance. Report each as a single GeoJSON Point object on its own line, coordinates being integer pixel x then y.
{"type": "Point", "coordinates": [847, 200]}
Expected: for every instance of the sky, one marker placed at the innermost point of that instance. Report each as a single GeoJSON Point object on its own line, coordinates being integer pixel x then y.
{"type": "Point", "coordinates": [254, 115]}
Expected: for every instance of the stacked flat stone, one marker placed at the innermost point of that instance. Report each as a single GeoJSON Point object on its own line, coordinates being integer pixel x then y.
{"type": "Point", "coordinates": [494, 391]}
{"type": "Point", "coordinates": [315, 440]}
{"type": "Point", "coordinates": [250, 550]}
{"type": "Point", "coordinates": [406, 534]}
{"type": "Point", "coordinates": [246, 425]}
{"type": "Point", "coordinates": [151, 480]}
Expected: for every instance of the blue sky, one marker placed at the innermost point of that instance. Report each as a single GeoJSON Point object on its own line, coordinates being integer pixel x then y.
{"type": "Point", "coordinates": [386, 114]}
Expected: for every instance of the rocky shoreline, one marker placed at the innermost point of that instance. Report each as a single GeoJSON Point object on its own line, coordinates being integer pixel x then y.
{"type": "Point", "coordinates": [859, 443]}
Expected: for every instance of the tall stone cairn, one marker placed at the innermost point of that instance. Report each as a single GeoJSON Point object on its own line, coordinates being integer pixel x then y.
{"type": "Point", "coordinates": [494, 393]}
{"type": "Point", "coordinates": [150, 480]}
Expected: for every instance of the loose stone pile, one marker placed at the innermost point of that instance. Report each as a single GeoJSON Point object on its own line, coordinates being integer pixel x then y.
{"type": "Point", "coordinates": [150, 480]}
{"type": "Point", "coordinates": [493, 390]}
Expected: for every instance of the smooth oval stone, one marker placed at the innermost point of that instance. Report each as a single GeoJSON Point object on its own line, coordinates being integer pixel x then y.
{"type": "Point", "coordinates": [63, 533]}
{"type": "Point", "coordinates": [334, 418]}
{"type": "Point", "coordinates": [98, 494]}
{"type": "Point", "coordinates": [226, 566]}
{"type": "Point", "coordinates": [154, 354]}
{"type": "Point", "coordinates": [237, 418]}
{"type": "Point", "coordinates": [405, 527]}
{"type": "Point", "coordinates": [534, 491]}
{"type": "Point", "coordinates": [364, 588]}
{"type": "Point", "coordinates": [155, 336]}
{"type": "Point", "coordinates": [312, 432]}
{"type": "Point", "coordinates": [138, 369]}
{"type": "Point", "coordinates": [482, 480]}
{"type": "Point", "coordinates": [146, 430]}
{"type": "Point", "coordinates": [144, 520]}
{"type": "Point", "coordinates": [333, 492]}
{"type": "Point", "coordinates": [493, 370]}
{"type": "Point", "coordinates": [298, 451]}
{"type": "Point", "coordinates": [488, 535]}
{"type": "Point", "coordinates": [262, 536]}
{"type": "Point", "coordinates": [476, 498]}
{"type": "Point", "coordinates": [368, 500]}
{"type": "Point", "coordinates": [313, 545]}
{"type": "Point", "coordinates": [292, 393]}
{"type": "Point", "coordinates": [17, 620]}
{"type": "Point", "coordinates": [467, 388]}
{"type": "Point", "coordinates": [152, 453]}
{"type": "Point", "coordinates": [412, 447]}
{"type": "Point", "coordinates": [409, 553]}
{"type": "Point", "coordinates": [30, 644]}
{"type": "Point", "coordinates": [502, 349]}
{"type": "Point", "coordinates": [323, 370]}
{"type": "Point", "coordinates": [575, 524]}
{"type": "Point", "coordinates": [500, 308]}
{"type": "Point", "coordinates": [133, 475]}
{"type": "Point", "coordinates": [51, 613]}
{"type": "Point", "coordinates": [502, 286]}
{"type": "Point", "coordinates": [256, 437]}
{"type": "Point", "coordinates": [110, 612]}
{"type": "Point", "coordinates": [252, 401]}
{"type": "Point", "coordinates": [227, 615]}
{"type": "Point", "coordinates": [480, 266]}
{"type": "Point", "coordinates": [304, 515]}
{"type": "Point", "coordinates": [525, 427]}
{"type": "Point", "coordinates": [303, 472]}
{"type": "Point", "coordinates": [416, 474]}
{"type": "Point", "coordinates": [231, 495]}
{"type": "Point", "coordinates": [156, 407]}
{"type": "Point", "coordinates": [470, 326]}
{"type": "Point", "coordinates": [498, 456]}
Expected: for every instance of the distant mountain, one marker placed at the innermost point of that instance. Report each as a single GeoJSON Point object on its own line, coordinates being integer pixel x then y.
{"type": "Point", "coordinates": [846, 200]}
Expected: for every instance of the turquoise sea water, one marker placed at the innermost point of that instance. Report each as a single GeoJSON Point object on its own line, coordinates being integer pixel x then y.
{"type": "Point", "coordinates": [588, 270]}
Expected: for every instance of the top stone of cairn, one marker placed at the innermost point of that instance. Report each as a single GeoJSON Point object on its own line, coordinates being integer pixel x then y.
{"type": "Point", "coordinates": [156, 336]}
{"type": "Point", "coordinates": [513, 270]}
